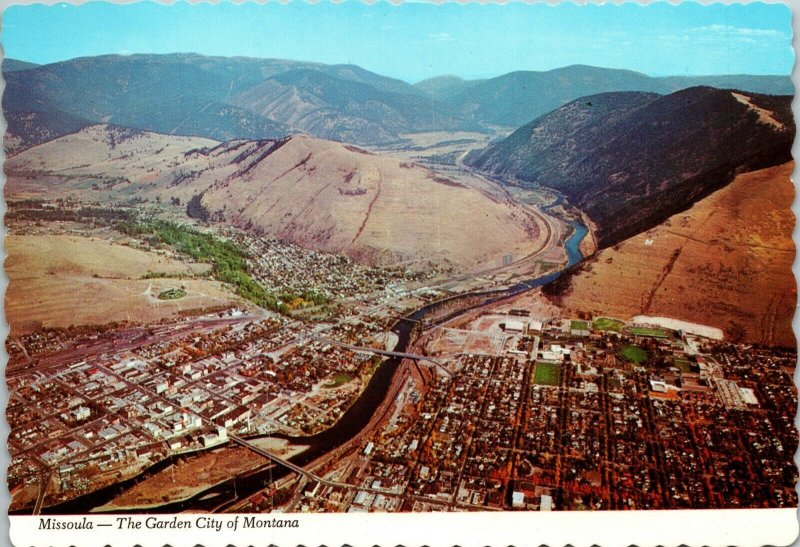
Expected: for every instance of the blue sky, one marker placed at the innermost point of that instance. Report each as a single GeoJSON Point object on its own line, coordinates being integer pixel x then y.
{"type": "Point", "coordinates": [418, 40]}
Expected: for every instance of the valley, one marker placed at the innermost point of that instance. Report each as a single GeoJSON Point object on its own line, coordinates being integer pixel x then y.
{"type": "Point", "coordinates": [286, 285]}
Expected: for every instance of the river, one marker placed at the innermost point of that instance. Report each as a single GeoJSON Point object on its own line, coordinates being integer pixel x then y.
{"type": "Point", "coordinates": [349, 425]}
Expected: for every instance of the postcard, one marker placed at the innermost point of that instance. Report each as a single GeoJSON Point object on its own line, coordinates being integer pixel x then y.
{"type": "Point", "coordinates": [293, 273]}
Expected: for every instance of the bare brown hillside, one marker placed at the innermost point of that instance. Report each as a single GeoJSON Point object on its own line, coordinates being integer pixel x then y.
{"type": "Point", "coordinates": [319, 194]}
{"type": "Point", "coordinates": [726, 262]}
{"type": "Point", "coordinates": [327, 196]}
{"type": "Point", "coordinates": [63, 280]}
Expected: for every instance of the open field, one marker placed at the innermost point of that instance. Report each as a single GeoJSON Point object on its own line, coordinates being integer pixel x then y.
{"type": "Point", "coordinates": [428, 143]}
{"type": "Point", "coordinates": [337, 380]}
{"type": "Point", "coordinates": [646, 331]}
{"type": "Point", "coordinates": [547, 374]}
{"type": "Point", "coordinates": [486, 344]}
{"type": "Point", "coordinates": [60, 255]}
{"type": "Point", "coordinates": [608, 324]}
{"type": "Point", "coordinates": [62, 280]}
{"type": "Point", "coordinates": [449, 341]}
{"type": "Point", "coordinates": [726, 262]}
{"type": "Point", "coordinates": [634, 354]}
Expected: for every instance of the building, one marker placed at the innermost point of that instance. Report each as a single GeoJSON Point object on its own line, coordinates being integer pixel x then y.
{"type": "Point", "coordinates": [515, 327]}
{"type": "Point", "coordinates": [81, 413]}
{"type": "Point", "coordinates": [536, 325]}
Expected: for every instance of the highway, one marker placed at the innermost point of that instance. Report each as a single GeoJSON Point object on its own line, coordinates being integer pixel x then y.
{"type": "Point", "coordinates": [300, 470]}
{"type": "Point", "coordinates": [281, 461]}
{"type": "Point", "coordinates": [44, 482]}
{"type": "Point", "coordinates": [352, 487]}
{"type": "Point", "coordinates": [338, 453]}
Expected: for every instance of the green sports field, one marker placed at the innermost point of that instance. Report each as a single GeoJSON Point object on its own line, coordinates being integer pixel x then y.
{"type": "Point", "coordinates": [644, 331]}
{"type": "Point", "coordinates": [579, 325]}
{"type": "Point", "coordinates": [634, 354]}
{"type": "Point", "coordinates": [547, 374]}
{"type": "Point", "coordinates": [608, 324]}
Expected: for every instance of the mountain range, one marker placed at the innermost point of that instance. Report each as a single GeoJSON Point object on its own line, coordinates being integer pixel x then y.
{"type": "Point", "coordinates": [630, 160]}
{"type": "Point", "coordinates": [236, 97]}
{"type": "Point", "coordinates": [516, 98]}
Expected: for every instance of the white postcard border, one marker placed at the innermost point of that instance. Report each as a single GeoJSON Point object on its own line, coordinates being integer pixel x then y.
{"type": "Point", "coordinates": [714, 528]}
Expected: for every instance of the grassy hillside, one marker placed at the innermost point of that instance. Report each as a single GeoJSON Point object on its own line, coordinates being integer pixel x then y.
{"type": "Point", "coordinates": [64, 280]}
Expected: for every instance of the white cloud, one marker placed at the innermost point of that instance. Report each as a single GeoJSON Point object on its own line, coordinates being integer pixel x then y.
{"type": "Point", "coordinates": [731, 31]}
